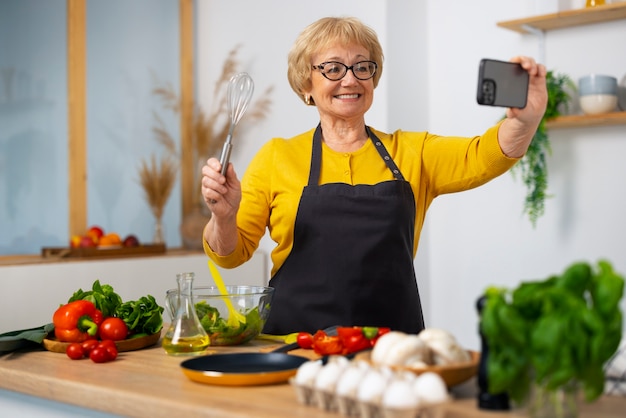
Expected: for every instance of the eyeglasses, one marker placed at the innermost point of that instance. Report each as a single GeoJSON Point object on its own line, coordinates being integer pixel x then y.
{"type": "Point", "coordinates": [334, 71]}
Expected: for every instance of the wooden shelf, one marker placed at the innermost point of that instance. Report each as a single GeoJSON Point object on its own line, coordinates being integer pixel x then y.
{"type": "Point", "coordinates": [568, 18]}
{"type": "Point", "coordinates": [579, 121]}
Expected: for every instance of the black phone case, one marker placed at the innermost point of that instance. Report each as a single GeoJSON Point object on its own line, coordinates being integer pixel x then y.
{"type": "Point", "coordinates": [502, 84]}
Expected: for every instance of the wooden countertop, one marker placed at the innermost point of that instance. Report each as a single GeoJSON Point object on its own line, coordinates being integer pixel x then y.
{"type": "Point", "coordinates": [148, 382]}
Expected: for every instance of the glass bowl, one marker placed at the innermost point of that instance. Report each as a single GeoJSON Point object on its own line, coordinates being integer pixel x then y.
{"type": "Point", "coordinates": [251, 301]}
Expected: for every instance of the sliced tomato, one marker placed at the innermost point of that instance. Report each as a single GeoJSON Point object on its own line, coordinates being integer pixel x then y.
{"type": "Point", "coordinates": [347, 332]}
{"type": "Point", "coordinates": [326, 345]}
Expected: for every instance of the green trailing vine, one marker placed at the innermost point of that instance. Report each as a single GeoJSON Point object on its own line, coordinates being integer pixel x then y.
{"type": "Point", "coordinates": [533, 166]}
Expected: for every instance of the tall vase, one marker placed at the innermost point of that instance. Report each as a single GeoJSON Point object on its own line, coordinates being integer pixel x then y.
{"type": "Point", "coordinates": [558, 403]}
{"type": "Point", "coordinates": [192, 227]}
{"type": "Point", "coordinates": [158, 232]}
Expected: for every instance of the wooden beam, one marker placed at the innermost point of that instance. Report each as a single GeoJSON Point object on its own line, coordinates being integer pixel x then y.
{"type": "Point", "coordinates": [77, 105]}
{"type": "Point", "coordinates": [188, 163]}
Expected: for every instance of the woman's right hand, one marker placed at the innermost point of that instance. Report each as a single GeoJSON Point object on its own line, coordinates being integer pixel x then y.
{"type": "Point", "coordinates": [222, 194]}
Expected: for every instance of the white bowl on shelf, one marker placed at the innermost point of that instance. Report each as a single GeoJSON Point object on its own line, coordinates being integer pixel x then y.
{"type": "Point", "coordinates": [596, 104]}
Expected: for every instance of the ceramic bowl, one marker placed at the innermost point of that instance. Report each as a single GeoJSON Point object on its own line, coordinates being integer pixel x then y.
{"type": "Point", "coordinates": [595, 104]}
{"type": "Point", "coordinates": [593, 84]}
{"type": "Point", "coordinates": [251, 301]}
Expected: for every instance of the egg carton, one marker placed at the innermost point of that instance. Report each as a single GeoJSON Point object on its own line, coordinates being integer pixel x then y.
{"type": "Point", "coordinates": [351, 407]}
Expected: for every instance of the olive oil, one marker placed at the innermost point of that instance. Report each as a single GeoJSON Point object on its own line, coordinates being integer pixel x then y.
{"type": "Point", "coordinates": [188, 345]}
{"type": "Point", "coordinates": [185, 334]}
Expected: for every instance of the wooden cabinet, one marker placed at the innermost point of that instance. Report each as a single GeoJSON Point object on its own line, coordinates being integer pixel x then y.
{"type": "Point", "coordinates": [567, 19]}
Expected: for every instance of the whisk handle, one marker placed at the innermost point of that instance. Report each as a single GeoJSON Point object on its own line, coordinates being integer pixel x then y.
{"type": "Point", "coordinates": [225, 157]}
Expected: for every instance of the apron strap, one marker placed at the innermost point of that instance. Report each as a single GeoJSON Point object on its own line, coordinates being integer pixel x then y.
{"type": "Point", "coordinates": [316, 156]}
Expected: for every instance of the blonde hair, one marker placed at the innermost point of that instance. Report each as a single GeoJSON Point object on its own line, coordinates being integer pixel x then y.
{"type": "Point", "coordinates": [321, 34]}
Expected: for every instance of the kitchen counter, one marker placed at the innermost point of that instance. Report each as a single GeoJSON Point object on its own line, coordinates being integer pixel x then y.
{"type": "Point", "coordinates": [148, 382]}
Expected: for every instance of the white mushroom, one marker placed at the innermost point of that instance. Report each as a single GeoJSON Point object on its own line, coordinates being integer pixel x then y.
{"type": "Point", "coordinates": [443, 346]}
{"type": "Point", "coordinates": [384, 343]}
{"type": "Point", "coordinates": [401, 351]}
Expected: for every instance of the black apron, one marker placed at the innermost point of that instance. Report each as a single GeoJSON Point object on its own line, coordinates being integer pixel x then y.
{"type": "Point", "coordinates": [352, 257]}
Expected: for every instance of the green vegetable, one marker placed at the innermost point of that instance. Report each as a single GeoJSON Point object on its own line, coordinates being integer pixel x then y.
{"type": "Point", "coordinates": [555, 332]}
{"type": "Point", "coordinates": [143, 316]}
{"type": "Point", "coordinates": [222, 334]}
{"type": "Point", "coordinates": [103, 296]}
{"type": "Point", "coordinates": [534, 166]}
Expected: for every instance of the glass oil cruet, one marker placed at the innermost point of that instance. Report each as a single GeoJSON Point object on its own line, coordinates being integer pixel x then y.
{"type": "Point", "coordinates": [185, 336]}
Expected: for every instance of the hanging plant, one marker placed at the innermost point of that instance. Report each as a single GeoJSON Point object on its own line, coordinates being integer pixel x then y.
{"type": "Point", "coordinates": [533, 166]}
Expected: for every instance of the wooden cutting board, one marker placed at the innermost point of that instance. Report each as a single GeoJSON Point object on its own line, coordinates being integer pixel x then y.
{"type": "Point", "coordinates": [52, 344]}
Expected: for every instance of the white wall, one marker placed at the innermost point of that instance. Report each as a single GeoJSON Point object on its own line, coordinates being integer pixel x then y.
{"type": "Point", "coordinates": [432, 49]}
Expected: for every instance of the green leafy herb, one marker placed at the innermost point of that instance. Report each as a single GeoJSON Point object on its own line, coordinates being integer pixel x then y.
{"type": "Point", "coordinates": [103, 296]}
{"type": "Point", "coordinates": [533, 166]}
{"type": "Point", "coordinates": [222, 334]}
{"type": "Point", "coordinates": [142, 316]}
{"type": "Point", "coordinates": [554, 332]}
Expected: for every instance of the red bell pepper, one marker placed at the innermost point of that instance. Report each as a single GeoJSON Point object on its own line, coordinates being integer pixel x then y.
{"type": "Point", "coordinates": [76, 321]}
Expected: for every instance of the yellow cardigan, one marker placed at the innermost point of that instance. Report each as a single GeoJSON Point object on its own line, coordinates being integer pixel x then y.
{"type": "Point", "coordinates": [273, 183]}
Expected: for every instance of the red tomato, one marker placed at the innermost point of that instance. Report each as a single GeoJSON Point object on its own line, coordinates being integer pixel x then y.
{"type": "Point", "coordinates": [100, 355]}
{"type": "Point", "coordinates": [113, 329]}
{"type": "Point", "coordinates": [74, 351]}
{"type": "Point", "coordinates": [347, 332]}
{"type": "Point", "coordinates": [355, 343]}
{"type": "Point", "coordinates": [111, 348]}
{"type": "Point", "coordinates": [105, 351]}
{"type": "Point", "coordinates": [326, 345]}
{"type": "Point", "coordinates": [88, 346]}
{"type": "Point", "coordinates": [305, 340]}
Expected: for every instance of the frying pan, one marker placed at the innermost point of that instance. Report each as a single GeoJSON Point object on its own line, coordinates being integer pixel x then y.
{"type": "Point", "coordinates": [246, 369]}
{"type": "Point", "coordinates": [242, 369]}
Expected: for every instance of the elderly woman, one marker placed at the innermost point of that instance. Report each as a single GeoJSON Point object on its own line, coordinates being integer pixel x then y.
{"type": "Point", "coordinates": [344, 202]}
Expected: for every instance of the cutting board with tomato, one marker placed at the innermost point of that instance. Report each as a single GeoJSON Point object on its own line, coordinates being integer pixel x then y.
{"type": "Point", "coordinates": [131, 344]}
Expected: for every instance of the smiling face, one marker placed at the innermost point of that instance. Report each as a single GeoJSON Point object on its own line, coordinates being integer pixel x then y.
{"type": "Point", "coordinates": [346, 99]}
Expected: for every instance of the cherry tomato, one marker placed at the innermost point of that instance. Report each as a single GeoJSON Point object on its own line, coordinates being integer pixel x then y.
{"type": "Point", "coordinates": [113, 328]}
{"type": "Point", "coordinates": [105, 351]}
{"type": "Point", "coordinates": [304, 340]}
{"type": "Point", "coordinates": [88, 346]}
{"type": "Point", "coordinates": [74, 351]}
{"type": "Point", "coordinates": [99, 355]}
{"type": "Point", "coordinates": [111, 348]}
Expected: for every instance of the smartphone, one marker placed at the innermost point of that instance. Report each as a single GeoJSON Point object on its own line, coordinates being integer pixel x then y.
{"type": "Point", "coordinates": [502, 84]}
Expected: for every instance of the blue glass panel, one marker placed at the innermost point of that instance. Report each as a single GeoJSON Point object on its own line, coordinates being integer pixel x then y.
{"type": "Point", "coordinates": [130, 45]}
{"type": "Point", "coordinates": [33, 126]}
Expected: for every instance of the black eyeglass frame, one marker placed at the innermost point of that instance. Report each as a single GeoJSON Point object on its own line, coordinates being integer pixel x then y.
{"type": "Point", "coordinates": [320, 67]}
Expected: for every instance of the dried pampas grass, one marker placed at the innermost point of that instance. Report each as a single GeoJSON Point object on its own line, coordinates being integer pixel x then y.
{"type": "Point", "coordinates": [210, 128]}
{"type": "Point", "coordinates": [157, 181]}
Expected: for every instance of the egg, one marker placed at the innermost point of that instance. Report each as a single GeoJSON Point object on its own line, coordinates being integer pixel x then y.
{"type": "Point", "coordinates": [350, 378]}
{"type": "Point", "coordinates": [429, 388]}
{"type": "Point", "coordinates": [372, 386]}
{"type": "Point", "coordinates": [328, 375]}
{"type": "Point", "coordinates": [307, 372]}
{"type": "Point", "coordinates": [400, 394]}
